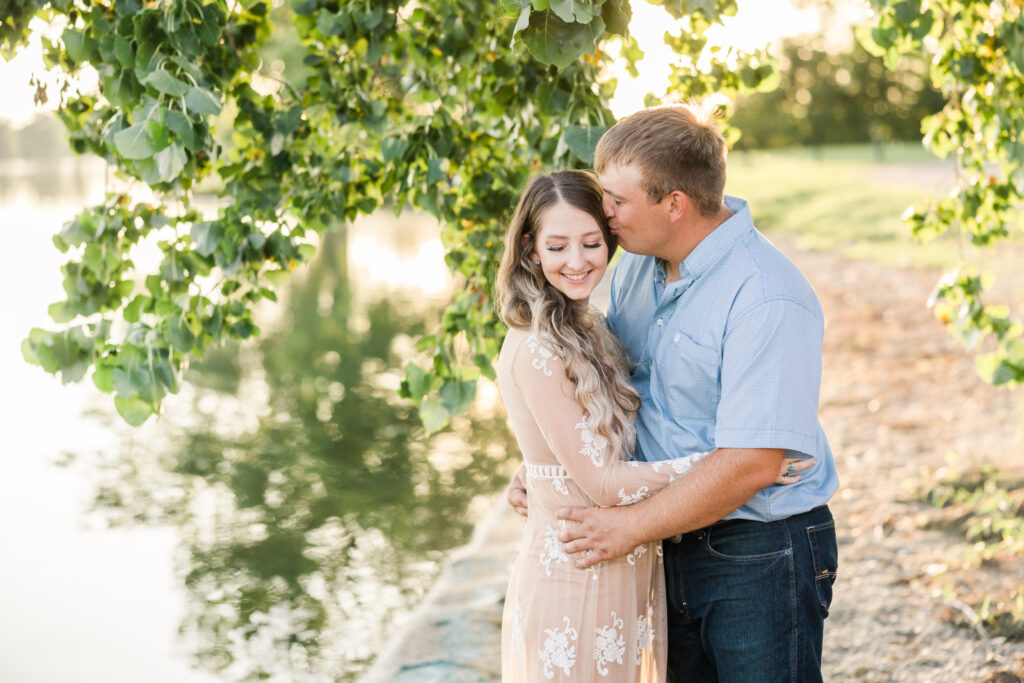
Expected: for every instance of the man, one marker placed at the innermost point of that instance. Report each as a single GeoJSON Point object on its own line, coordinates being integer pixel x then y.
{"type": "Point", "coordinates": [725, 334]}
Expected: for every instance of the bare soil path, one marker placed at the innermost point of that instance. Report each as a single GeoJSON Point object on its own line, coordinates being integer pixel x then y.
{"type": "Point", "coordinates": [898, 395]}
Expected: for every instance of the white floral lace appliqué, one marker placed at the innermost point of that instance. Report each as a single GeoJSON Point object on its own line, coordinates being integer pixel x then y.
{"type": "Point", "coordinates": [517, 627]}
{"type": "Point", "coordinates": [635, 555]}
{"type": "Point", "coordinates": [644, 634]}
{"type": "Point", "coordinates": [609, 645]}
{"type": "Point", "coordinates": [557, 652]}
{"type": "Point", "coordinates": [553, 551]}
{"type": "Point", "coordinates": [594, 445]}
{"type": "Point", "coordinates": [629, 499]}
{"type": "Point", "coordinates": [541, 354]}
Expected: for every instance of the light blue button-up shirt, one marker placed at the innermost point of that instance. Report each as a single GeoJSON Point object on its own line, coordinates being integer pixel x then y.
{"type": "Point", "coordinates": [728, 356]}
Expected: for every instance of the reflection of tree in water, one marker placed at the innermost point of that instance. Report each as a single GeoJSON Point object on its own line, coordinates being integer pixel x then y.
{"type": "Point", "coordinates": [311, 528]}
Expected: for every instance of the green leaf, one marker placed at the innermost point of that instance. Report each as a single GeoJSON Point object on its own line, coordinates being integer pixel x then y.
{"type": "Point", "coordinates": [77, 45]}
{"type": "Point", "coordinates": [522, 22]}
{"type": "Point", "coordinates": [180, 124]}
{"type": "Point", "coordinates": [303, 7]}
{"type": "Point", "coordinates": [564, 10]}
{"type": "Point", "coordinates": [996, 370]}
{"type": "Point", "coordinates": [169, 162]}
{"type": "Point", "coordinates": [552, 41]}
{"type": "Point", "coordinates": [61, 312]}
{"type": "Point", "coordinates": [583, 140]}
{"type": "Point", "coordinates": [165, 374]}
{"type": "Point", "coordinates": [457, 395]}
{"type": "Point", "coordinates": [103, 378]}
{"type": "Point", "coordinates": [433, 415]}
{"type": "Point", "coordinates": [123, 50]}
{"type": "Point", "coordinates": [205, 237]}
{"type": "Point", "coordinates": [159, 137]}
{"type": "Point", "coordinates": [392, 148]}
{"type": "Point", "coordinates": [202, 101]}
{"type": "Point", "coordinates": [328, 23]}
{"type": "Point", "coordinates": [166, 83]}
{"type": "Point", "coordinates": [133, 410]}
{"type": "Point", "coordinates": [277, 277]}
{"type": "Point", "coordinates": [133, 142]}
{"type": "Point", "coordinates": [514, 6]}
{"type": "Point", "coordinates": [616, 15]}
{"type": "Point", "coordinates": [28, 352]}
{"type": "Point", "coordinates": [418, 382]}
{"type": "Point", "coordinates": [180, 335]}
{"type": "Point", "coordinates": [434, 171]}
{"type": "Point", "coordinates": [132, 311]}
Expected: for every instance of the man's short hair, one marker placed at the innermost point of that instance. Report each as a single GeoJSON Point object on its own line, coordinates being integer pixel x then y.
{"type": "Point", "coordinates": [675, 147]}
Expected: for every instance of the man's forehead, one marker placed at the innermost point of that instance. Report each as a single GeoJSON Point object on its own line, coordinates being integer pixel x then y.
{"type": "Point", "coordinates": [619, 179]}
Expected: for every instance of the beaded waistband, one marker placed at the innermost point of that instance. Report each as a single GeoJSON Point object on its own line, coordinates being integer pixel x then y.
{"type": "Point", "coordinates": [546, 471]}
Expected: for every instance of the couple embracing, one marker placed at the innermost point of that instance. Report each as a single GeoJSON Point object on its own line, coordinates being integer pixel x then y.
{"type": "Point", "coordinates": [689, 414]}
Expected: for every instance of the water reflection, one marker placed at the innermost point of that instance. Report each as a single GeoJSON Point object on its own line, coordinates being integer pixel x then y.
{"type": "Point", "coordinates": [40, 181]}
{"type": "Point", "coordinates": [313, 509]}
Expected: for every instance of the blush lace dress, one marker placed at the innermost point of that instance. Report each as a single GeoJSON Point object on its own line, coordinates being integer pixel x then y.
{"type": "Point", "coordinates": [560, 623]}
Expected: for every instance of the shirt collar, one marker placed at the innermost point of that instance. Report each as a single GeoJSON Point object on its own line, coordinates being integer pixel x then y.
{"type": "Point", "coordinates": [712, 248]}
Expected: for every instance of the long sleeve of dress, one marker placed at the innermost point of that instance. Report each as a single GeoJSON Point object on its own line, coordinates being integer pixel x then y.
{"type": "Point", "coordinates": [602, 474]}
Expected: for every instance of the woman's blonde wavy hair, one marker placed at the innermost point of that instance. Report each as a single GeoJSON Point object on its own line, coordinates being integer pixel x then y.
{"type": "Point", "coordinates": [594, 358]}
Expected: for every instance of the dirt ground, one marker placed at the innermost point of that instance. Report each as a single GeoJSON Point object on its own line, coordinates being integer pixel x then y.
{"type": "Point", "coordinates": [898, 395]}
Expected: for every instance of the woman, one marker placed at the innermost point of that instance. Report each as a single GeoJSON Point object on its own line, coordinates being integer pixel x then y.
{"type": "Point", "coordinates": [564, 380]}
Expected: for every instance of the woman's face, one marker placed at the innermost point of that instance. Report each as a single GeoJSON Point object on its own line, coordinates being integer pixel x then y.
{"type": "Point", "coordinates": [571, 249]}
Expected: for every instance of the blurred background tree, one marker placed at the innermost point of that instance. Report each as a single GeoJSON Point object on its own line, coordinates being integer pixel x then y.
{"type": "Point", "coordinates": [829, 98]}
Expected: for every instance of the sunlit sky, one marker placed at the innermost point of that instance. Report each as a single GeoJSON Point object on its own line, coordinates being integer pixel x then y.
{"type": "Point", "coordinates": [756, 24]}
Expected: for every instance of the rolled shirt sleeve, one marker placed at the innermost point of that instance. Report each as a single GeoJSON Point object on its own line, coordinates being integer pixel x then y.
{"type": "Point", "coordinates": [771, 378]}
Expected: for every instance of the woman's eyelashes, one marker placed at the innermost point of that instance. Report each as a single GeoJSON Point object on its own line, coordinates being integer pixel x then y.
{"type": "Point", "coordinates": [591, 245]}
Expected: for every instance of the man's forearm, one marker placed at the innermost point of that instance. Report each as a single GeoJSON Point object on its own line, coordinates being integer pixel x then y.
{"type": "Point", "coordinates": [717, 486]}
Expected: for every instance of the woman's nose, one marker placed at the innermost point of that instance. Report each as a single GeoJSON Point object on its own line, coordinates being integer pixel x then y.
{"type": "Point", "coordinates": [576, 258]}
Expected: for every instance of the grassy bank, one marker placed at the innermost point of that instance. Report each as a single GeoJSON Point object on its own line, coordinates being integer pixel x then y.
{"type": "Point", "coordinates": [849, 199]}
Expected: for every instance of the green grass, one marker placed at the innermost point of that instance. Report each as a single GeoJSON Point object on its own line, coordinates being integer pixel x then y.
{"type": "Point", "coordinates": [844, 199]}
{"type": "Point", "coordinates": [896, 152]}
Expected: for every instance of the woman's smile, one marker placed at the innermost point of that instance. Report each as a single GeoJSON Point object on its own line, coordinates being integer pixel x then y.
{"type": "Point", "coordinates": [571, 250]}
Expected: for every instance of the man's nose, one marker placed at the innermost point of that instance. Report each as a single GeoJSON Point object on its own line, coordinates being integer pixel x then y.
{"type": "Point", "coordinates": [609, 208]}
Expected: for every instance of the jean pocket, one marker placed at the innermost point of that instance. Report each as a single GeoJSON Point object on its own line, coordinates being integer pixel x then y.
{"type": "Point", "coordinates": [747, 542]}
{"type": "Point", "coordinates": [825, 559]}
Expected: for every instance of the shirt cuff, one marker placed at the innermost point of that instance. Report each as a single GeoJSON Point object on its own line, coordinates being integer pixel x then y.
{"type": "Point", "coordinates": [767, 438]}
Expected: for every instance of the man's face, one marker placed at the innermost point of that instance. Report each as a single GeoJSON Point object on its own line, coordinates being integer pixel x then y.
{"type": "Point", "coordinates": [641, 226]}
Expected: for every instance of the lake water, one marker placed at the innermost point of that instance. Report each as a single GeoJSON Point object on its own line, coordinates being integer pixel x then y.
{"type": "Point", "coordinates": [284, 513]}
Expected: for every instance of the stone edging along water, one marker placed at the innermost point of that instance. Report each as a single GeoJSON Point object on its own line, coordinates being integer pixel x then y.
{"type": "Point", "coordinates": [454, 636]}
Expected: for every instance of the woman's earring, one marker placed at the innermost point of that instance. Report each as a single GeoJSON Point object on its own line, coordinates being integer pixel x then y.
{"type": "Point", "coordinates": [536, 262]}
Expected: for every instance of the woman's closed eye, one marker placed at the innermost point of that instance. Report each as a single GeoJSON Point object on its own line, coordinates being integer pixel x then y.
{"type": "Point", "coordinates": [588, 245]}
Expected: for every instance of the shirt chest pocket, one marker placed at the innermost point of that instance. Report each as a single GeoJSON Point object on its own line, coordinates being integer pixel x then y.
{"type": "Point", "coordinates": [685, 378]}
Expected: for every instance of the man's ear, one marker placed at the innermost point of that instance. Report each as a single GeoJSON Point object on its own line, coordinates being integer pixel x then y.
{"type": "Point", "coordinates": [677, 202]}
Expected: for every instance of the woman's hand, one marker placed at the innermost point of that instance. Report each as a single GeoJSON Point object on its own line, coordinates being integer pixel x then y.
{"type": "Point", "coordinates": [790, 468]}
{"type": "Point", "coordinates": [516, 492]}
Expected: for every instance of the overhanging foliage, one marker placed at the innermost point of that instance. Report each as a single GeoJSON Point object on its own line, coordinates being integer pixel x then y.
{"type": "Point", "coordinates": [441, 106]}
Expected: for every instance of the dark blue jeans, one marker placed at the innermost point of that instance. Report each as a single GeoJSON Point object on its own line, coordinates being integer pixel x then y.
{"type": "Point", "coordinates": [747, 600]}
